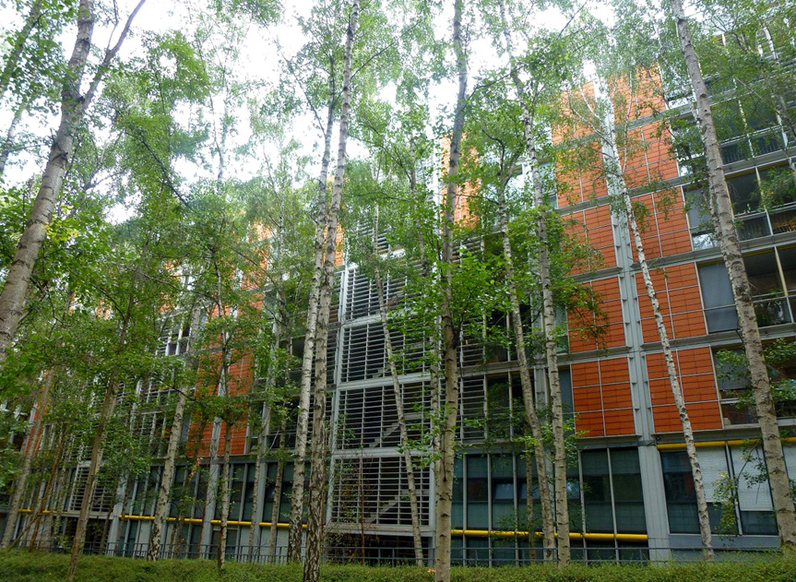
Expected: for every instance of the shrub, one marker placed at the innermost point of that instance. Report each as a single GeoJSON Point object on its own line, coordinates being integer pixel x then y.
{"type": "Point", "coordinates": [45, 567]}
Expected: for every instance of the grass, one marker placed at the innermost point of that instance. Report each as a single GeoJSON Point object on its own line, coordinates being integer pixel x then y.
{"type": "Point", "coordinates": [45, 567]}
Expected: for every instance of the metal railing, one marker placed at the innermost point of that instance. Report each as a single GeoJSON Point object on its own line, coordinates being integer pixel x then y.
{"type": "Point", "coordinates": [496, 556]}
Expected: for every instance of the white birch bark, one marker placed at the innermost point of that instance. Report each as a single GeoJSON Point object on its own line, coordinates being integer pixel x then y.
{"type": "Point", "coordinates": [275, 509]}
{"type": "Point", "coordinates": [8, 144]}
{"type": "Point", "coordinates": [540, 456]}
{"type": "Point", "coordinates": [443, 466]}
{"type": "Point", "coordinates": [32, 20]}
{"type": "Point", "coordinates": [73, 109]}
{"type": "Point", "coordinates": [29, 451]}
{"type": "Point", "coordinates": [406, 446]}
{"type": "Point", "coordinates": [548, 311]}
{"type": "Point", "coordinates": [164, 491]}
{"type": "Point", "coordinates": [106, 412]}
{"type": "Point", "coordinates": [302, 428]}
{"type": "Point", "coordinates": [721, 213]}
{"type": "Point", "coordinates": [614, 176]}
{"type": "Point", "coordinates": [317, 489]}
{"type": "Point", "coordinates": [225, 494]}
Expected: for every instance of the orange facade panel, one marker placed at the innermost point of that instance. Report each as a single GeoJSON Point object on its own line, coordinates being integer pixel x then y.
{"type": "Point", "coordinates": [601, 396]}
{"type": "Point", "coordinates": [695, 373]}
{"type": "Point", "coordinates": [677, 289]}
{"type": "Point", "coordinates": [582, 182]}
{"type": "Point", "coordinates": [593, 228]}
{"type": "Point", "coordinates": [608, 324]}
{"type": "Point", "coordinates": [649, 157]}
{"type": "Point", "coordinates": [664, 230]}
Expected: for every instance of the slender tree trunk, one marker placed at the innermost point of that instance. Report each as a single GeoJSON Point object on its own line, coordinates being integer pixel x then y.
{"type": "Point", "coordinates": [164, 492]}
{"type": "Point", "coordinates": [548, 318]}
{"type": "Point", "coordinates": [674, 383]}
{"type": "Point", "coordinates": [721, 213]}
{"type": "Point", "coordinates": [8, 144]}
{"type": "Point", "coordinates": [280, 475]}
{"type": "Point", "coordinates": [539, 454]}
{"type": "Point", "coordinates": [270, 382]}
{"type": "Point", "coordinates": [406, 446]}
{"type": "Point", "coordinates": [443, 469]}
{"type": "Point", "coordinates": [317, 489]}
{"type": "Point", "coordinates": [29, 452]}
{"type": "Point", "coordinates": [46, 497]}
{"type": "Point", "coordinates": [254, 531]}
{"type": "Point", "coordinates": [73, 109]}
{"type": "Point", "coordinates": [529, 507]}
{"type": "Point", "coordinates": [548, 312]}
{"type": "Point", "coordinates": [106, 413]}
{"type": "Point", "coordinates": [225, 494]}
{"type": "Point", "coordinates": [12, 59]}
{"type": "Point", "coordinates": [617, 187]}
{"type": "Point", "coordinates": [176, 535]}
{"type": "Point", "coordinates": [302, 425]}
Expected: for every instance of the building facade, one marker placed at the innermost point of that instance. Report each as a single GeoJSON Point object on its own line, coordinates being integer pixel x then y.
{"type": "Point", "coordinates": [631, 493]}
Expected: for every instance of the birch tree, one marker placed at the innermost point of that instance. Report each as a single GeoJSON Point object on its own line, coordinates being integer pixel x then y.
{"type": "Point", "coordinates": [721, 214]}
{"type": "Point", "coordinates": [74, 105]}
{"type": "Point", "coordinates": [317, 489]}
{"type": "Point", "coordinates": [527, 93]}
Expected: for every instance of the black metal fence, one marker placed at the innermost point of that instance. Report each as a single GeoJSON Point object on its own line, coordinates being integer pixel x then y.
{"type": "Point", "coordinates": [396, 556]}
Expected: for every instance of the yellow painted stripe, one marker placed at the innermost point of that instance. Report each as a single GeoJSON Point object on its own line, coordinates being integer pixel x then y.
{"type": "Point", "coordinates": [713, 444]}
{"type": "Point", "coordinates": [572, 535]}
{"type": "Point", "coordinates": [199, 520]}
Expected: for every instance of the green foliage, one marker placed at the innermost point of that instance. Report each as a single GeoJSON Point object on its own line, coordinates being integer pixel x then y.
{"type": "Point", "coordinates": [23, 567]}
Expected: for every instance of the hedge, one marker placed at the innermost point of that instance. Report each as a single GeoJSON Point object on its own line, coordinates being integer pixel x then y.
{"type": "Point", "coordinates": [46, 567]}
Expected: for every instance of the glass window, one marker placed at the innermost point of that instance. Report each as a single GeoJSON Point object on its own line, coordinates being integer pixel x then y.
{"type": "Point", "coordinates": [778, 186]}
{"type": "Point", "coordinates": [771, 308]}
{"type": "Point", "coordinates": [477, 492]}
{"type": "Point", "coordinates": [754, 494]}
{"type": "Point", "coordinates": [287, 485]}
{"type": "Point", "coordinates": [457, 509]}
{"type": "Point", "coordinates": [717, 297]}
{"type": "Point", "coordinates": [699, 220]}
{"type": "Point", "coordinates": [678, 483]}
{"type": "Point", "coordinates": [597, 491]}
{"type": "Point", "coordinates": [628, 492]}
{"type": "Point", "coordinates": [236, 491]}
{"type": "Point", "coordinates": [503, 516]}
{"type": "Point", "coordinates": [565, 378]}
{"type": "Point", "coordinates": [744, 193]}
{"type": "Point", "coordinates": [248, 493]}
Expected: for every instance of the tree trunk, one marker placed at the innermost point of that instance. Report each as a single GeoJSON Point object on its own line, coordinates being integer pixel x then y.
{"type": "Point", "coordinates": [280, 474]}
{"type": "Point", "coordinates": [28, 452]}
{"type": "Point", "coordinates": [302, 428]}
{"type": "Point", "coordinates": [443, 468]}
{"type": "Point", "coordinates": [225, 494]}
{"type": "Point", "coordinates": [529, 509]}
{"type": "Point", "coordinates": [406, 446]}
{"type": "Point", "coordinates": [548, 313]}
{"type": "Point", "coordinates": [106, 413]}
{"type": "Point", "coordinates": [617, 186]}
{"type": "Point", "coordinates": [8, 144]}
{"type": "Point", "coordinates": [12, 299]}
{"type": "Point", "coordinates": [539, 454]}
{"type": "Point", "coordinates": [73, 109]}
{"type": "Point", "coordinates": [164, 492]}
{"type": "Point", "coordinates": [317, 490]}
{"type": "Point", "coordinates": [254, 529]}
{"type": "Point", "coordinates": [721, 213]}
{"type": "Point", "coordinates": [176, 535]}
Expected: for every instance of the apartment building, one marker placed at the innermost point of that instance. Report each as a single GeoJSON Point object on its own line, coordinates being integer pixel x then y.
{"type": "Point", "coordinates": [631, 494]}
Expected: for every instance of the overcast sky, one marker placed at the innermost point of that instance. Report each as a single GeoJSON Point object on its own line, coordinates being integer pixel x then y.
{"type": "Point", "coordinates": [258, 62]}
